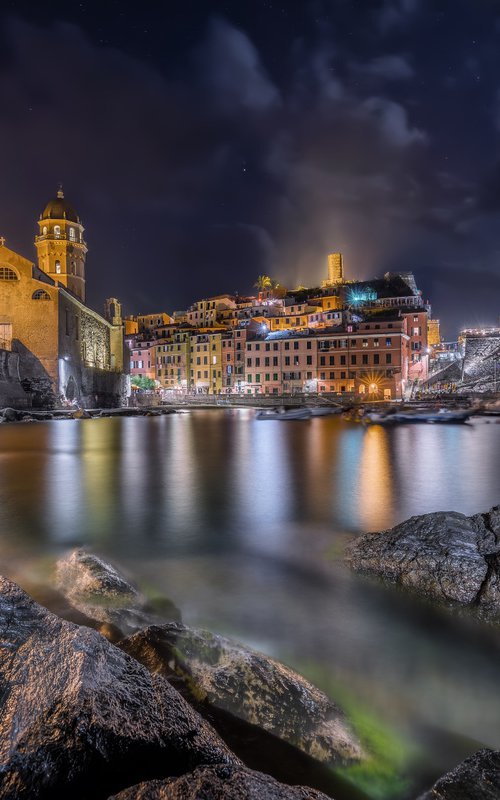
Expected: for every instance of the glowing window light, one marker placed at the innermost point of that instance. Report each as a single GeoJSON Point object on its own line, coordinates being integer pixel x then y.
{"type": "Point", "coordinates": [358, 297]}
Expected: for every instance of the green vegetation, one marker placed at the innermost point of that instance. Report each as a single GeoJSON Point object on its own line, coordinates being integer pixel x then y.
{"type": "Point", "coordinates": [385, 772]}
{"type": "Point", "coordinates": [141, 382]}
{"type": "Point", "coordinates": [263, 282]}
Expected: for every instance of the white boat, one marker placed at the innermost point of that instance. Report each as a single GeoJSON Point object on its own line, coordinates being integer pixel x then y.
{"type": "Point", "coordinates": [283, 414]}
{"type": "Point", "coordinates": [324, 411]}
{"type": "Point", "coordinates": [442, 415]}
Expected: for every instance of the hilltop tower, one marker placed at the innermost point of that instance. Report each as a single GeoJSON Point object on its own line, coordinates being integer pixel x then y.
{"type": "Point", "coordinates": [335, 268]}
{"type": "Point", "coordinates": [60, 245]}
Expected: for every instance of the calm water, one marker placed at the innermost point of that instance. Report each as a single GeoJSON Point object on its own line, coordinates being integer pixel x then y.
{"type": "Point", "coordinates": [242, 522]}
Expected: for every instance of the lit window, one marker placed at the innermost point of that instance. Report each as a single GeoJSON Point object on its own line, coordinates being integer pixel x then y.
{"type": "Point", "coordinates": [72, 234]}
{"type": "Point", "coordinates": [57, 231]}
{"type": "Point", "coordinates": [7, 274]}
{"type": "Point", "coordinates": [44, 230]}
{"type": "Point", "coordinates": [58, 267]}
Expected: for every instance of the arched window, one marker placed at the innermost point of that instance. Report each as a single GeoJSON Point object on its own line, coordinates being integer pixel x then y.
{"type": "Point", "coordinates": [40, 294]}
{"type": "Point", "coordinates": [57, 231]}
{"type": "Point", "coordinates": [72, 234]}
{"type": "Point", "coordinates": [44, 230]}
{"type": "Point", "coordinates": [58, 267]}
{"type": "Point", "coordinates": [7, 274]}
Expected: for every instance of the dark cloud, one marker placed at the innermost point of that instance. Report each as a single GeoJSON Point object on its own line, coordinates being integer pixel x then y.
{"type": "Point", "coordinates": [396, 14]}
{"type": "Point", "coordinates": [388, 67]}
{"type": "Point", "coordinates": [199, 168]}
{"type": "Point", "coordinates": [232, 71]}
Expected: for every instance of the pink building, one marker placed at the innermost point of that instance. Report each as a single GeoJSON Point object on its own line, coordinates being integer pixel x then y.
{"type": "Point", "coordinates": [368, 359]}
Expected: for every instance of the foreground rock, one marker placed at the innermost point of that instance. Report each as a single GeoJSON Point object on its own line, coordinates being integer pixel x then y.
{"type": "Point", "coordinates": [250, 686]}
{"type": "Point", "coordinates": [476, 778]}
{"type": "Point", "coordinates": [10, 414]}
{"type": "Point", "coordinates": [219, 783]}
{"type": "Point", "coordinates": [98, 590]}
{"type": "Point", "coordinates": [445, 555]}
{"type": "Point", "coordinates": [82, 719]}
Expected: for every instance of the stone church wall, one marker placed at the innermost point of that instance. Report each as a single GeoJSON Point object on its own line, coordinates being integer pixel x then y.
{"type": "Point", "coordinates": [11, 389]}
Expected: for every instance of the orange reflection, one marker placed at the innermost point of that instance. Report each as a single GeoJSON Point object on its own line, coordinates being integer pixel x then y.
{"type": "Point", "coordinates": [99, 461]}
{"type": "Point", "coordinates": [375, 480]}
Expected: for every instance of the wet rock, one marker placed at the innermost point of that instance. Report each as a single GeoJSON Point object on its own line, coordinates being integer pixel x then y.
{"type": "Point", "coordinates": [80, 718]}
{"type": "Point", "coordinates": [80, 413]}
{"type": "Point", "coordinates": [99, 591]}
{"type": "Point", "coordinates": [476, 778]}
{"type": "Point", "coordinates": [219, 783]}
{"type": "Point", "coordinates": [122, 412]}
{"type": "Point", "coordinates": [39, 416]}
{"type": "Point", "coordinates": [251, 686]}
{"type": "Point", "coordinates": [446, 555]}
{"type": "Point", "coordinates": [10, 414]}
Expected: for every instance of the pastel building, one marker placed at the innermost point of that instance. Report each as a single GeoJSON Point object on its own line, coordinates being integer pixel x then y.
{"type": "Point", "coordinates": [370, 358]}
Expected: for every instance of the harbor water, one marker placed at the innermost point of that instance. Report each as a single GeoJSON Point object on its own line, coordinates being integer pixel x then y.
{"type": "Point", "coordinates": [242, 523]}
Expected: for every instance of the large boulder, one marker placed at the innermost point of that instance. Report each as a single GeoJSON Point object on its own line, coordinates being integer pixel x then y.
{"type": "Point", "coordinates": [476, 778]}
{"type": "Point", "coordinates": [226, 675]}
{"type": "Point", "coordinates": [98, 590]}
{"type": "Point", "coordinates": [219, 783]}
{"type": "Point", "coordinates": [10, 414]}
{"type": "Point", "coordinates": [445, 555]}
{"type": "Point", "coordinates": [82, 719]}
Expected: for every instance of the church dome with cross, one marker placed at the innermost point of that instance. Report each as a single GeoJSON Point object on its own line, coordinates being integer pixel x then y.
{"type": "Point", "coordinates": [59, 208]}
{"type": "Point", "coordinates": [60, 245]}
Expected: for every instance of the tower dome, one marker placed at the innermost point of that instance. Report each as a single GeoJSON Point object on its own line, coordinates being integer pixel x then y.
{"type": "Point", "coordinates": [60, 245]}
{"type": "Point", "coordinates": [59, 208]}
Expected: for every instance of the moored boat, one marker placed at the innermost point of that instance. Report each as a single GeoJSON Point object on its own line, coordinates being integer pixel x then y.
{"type": "Point", "coordinates": [283, 413]}
{"type": "Point", "coordinates": [324, 411]}
{"type": "Point", "coordinates": [442, 415]}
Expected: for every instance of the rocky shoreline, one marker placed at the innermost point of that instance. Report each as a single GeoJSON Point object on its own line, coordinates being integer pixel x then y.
{"type": "Point", "coordinates": [18, 415]}
{"type": "Point", "coordinates": [107, 695]}
{"type": "Point", "coordinates": [446, 556]}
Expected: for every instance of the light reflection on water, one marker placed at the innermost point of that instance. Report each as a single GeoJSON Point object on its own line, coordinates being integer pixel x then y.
{"type": "Point", "coordinates": [234, 518]}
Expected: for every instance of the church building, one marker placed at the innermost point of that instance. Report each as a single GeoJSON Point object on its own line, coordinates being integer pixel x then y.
{"type": "Point", "coordinates": [51, 343]}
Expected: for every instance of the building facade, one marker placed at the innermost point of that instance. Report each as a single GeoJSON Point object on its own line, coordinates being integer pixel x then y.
{"type": "Point", "coordinates": [67, 351]}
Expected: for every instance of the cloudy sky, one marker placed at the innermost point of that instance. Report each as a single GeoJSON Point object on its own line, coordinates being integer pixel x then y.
{"type": "Point", "coordinates": [204, 143]}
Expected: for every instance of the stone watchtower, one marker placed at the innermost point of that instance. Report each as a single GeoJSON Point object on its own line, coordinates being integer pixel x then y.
{"type": "Point", "coordinates": [60, 245]}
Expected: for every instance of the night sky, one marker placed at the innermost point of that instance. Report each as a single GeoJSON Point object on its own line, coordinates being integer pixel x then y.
{"type": "Point", "coordinates": [205, 143]}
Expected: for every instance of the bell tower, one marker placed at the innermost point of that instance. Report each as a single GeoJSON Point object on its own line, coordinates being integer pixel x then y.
{"type": "Point", "coordinates": [60, 245]}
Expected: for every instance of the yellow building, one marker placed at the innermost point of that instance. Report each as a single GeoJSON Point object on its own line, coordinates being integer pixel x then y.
{"type": "Point", "coordinates": [206, 360]}
{"type": "Point", "coordinates": [433, 333]}
{"type": "Point", "coordinates": [149, 322]}
{"type": "Point", "coordinates": [173, 360]}
{"type": "Point", "coordinates": [335, 270]}
{"type": "Point", "coordinates": [60, 245]}
{"type": "Point", "coordinates": [66, 351]}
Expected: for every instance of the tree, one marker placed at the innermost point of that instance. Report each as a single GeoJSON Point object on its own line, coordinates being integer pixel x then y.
{"type": "Point", "coordinates": [263, 282]}
{"type": "Point", "coordinates": [142, 382]}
